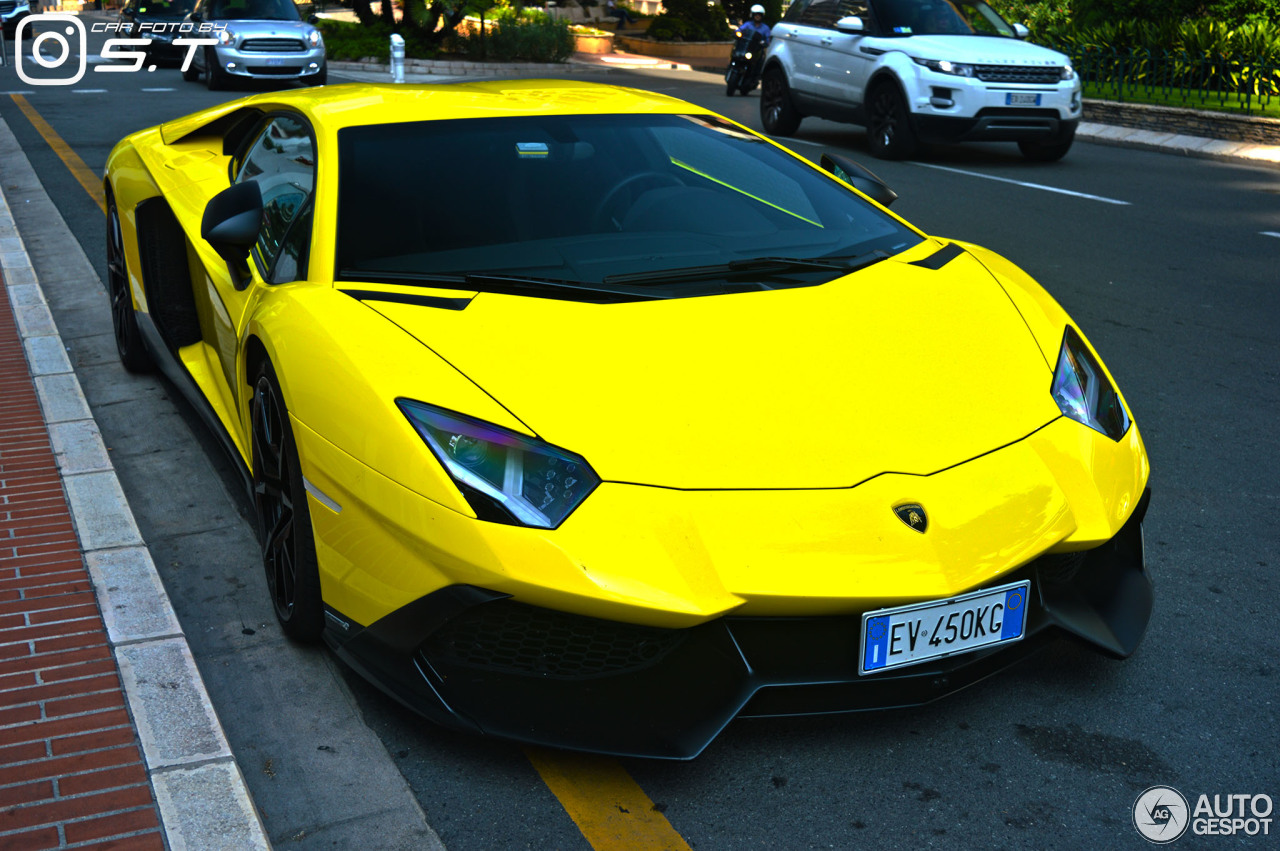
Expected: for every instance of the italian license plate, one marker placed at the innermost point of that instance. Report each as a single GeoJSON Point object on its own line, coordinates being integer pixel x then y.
{"type": "Point", "coordinates": [909, 635]}
{"type": "Point", "coordinates": [274, 61]}
{"type": "Point", "coordinates": [1017, 99]}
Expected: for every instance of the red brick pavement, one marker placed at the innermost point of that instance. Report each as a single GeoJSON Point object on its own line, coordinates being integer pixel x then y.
{"type": "Point", "coordinates": [71, 770]}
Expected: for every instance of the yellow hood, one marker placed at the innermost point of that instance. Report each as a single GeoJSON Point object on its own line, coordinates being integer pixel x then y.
{"type": "Point", "coordinates": [895, 368]}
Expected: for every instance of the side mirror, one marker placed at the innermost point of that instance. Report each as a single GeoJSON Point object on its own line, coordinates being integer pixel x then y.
{"type": "Point", "coordinates": [851, 25]}
{"type": "Point", "coordinates": [860, 178]}
{"type": "Point", "coordinates": [195, 17]}
{"type": "Point", "coordinates": [1019, 31]}
{"type": "Point", "coordinates": [231, 222]}
{"type": "Point", "coordinates": [313, 19]}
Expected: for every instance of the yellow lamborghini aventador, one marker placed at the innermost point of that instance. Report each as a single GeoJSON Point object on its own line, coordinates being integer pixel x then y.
{"type": "Point", "coordinates": [583, 416]}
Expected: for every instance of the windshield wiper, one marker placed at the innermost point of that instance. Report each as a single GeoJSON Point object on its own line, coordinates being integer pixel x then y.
{"type": "Point", "coordinates": [754, 266]}
{"type": "Point", "coordinates": [504, 285]}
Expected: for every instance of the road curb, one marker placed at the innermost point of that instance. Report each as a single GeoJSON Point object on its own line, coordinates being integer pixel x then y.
{"type": "Point", "coordinates": [157, 670]}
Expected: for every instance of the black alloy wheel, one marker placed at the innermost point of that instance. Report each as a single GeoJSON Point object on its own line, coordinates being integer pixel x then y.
{"type": "Point", "coordinates": [215, 79]}
{"type": "Point", "coordinates": [129, 345]}
{"type": "Point", "coordinates": [889, 131]}
{"type": "Point", "coordinates": [284, 523]}
{"type": "Point", "coordinates": [778, 114]}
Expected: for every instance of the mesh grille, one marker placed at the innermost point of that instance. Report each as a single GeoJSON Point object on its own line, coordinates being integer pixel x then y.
{"type": "Point", "coordinates": [1061, 568]}
{"type": "Point", "coordinates": [519, 639]}
{"type": "Point", "coordinates": [272, 45]}
{"type": "Point", "coordinates": [1018, 74]}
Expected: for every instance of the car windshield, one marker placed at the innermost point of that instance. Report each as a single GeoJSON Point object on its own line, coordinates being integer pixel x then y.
{"type": "Point", "coordinates": [594, 200]}
{"type": "Point", "coordinates": [177, 10]}
{"type": "Point", "coordinates": [253, 10]}
{"type": "Point", "coordinates": [939, 17]}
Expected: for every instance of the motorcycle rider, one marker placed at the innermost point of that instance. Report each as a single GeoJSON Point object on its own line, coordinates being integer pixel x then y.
{"type": "Point", "coordinates": [756, 24]}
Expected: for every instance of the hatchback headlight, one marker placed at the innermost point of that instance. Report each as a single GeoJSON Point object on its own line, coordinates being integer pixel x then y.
{"type": "Point", "coordinates": [946, 66]}
{"type": "Point", "coordinates": [226, 36]}
{"type": "Point", "coordinates": [534, 483]}
{"type": "Point", "coordinates": [1082, 390]}
{"type": "Point", "coordinates": [313, 38]}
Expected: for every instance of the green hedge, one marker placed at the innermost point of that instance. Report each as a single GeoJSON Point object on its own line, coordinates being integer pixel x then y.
{"type": "Point", "coordinates": [533, 36]}
{"type": "Point", "coordinates": [347, 40]}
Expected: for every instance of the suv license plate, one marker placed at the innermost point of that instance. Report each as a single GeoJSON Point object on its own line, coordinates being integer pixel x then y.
{"type": "Point", "coordinates": [1012, 99]}
{"type": "Point", "coordinates": [909, 635]}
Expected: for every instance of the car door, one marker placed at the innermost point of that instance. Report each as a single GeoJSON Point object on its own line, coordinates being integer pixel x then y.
{"type": "Point", "coordinates": [843, 64]}
{"type": "Point", "coordinates": [802, 38]}
{"type": "Point", "coordinates": [281, 159]}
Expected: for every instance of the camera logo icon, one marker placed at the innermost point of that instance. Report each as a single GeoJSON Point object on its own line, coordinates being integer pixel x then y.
{"type": "Point", "coordinates": [63, 26]}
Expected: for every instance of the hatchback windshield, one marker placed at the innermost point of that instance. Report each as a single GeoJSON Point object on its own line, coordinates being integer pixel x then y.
{"type": "Point", "coordinates": [939, 17]}
{"type": "Point", "coordinates": [593, 199]}
{"type": "Point", "coordinates": [253, 10]}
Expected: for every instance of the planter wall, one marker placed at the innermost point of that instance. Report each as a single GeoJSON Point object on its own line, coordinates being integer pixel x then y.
{"type": "Point", "coordinates": [692, 52]}
{"type": "Point", "coordinates": [593, 43]}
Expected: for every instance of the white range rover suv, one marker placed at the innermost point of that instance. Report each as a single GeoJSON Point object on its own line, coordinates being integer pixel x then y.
{"type": "Point", "coordinates": [918, 70]}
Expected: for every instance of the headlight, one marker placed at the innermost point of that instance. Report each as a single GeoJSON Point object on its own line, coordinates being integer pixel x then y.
{"type": "Point", "coordinates": [946, 66]}
{"type": "Point", "coordinates": [226, 36]}
{"type": "Point", "coordinates": [313, 38]}
{"type": "Point", "coordinates": [1082, 390]}
{"type": "Point", "coordinates": [1068, 73]}
{"type": "Point", "coordinates": [532, 481]}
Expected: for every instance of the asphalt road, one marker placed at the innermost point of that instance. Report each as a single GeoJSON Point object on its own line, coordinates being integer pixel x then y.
{"type": "Point", "coordinates": [1167, 264]}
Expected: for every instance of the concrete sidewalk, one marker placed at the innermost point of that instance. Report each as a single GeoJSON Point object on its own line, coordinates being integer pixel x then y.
{"type": "Point", "coordinates": [107, 736]}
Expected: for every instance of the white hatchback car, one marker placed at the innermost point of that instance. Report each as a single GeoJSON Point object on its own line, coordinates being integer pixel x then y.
{"type": "Point", "coordinates": [913, 70]}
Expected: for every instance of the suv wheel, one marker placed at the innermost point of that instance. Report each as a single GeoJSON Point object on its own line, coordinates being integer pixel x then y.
{"type": "Point", "coordinates": [1047, 152]}
{"type": "Point", "coordinates": [778, 114]}
{"type": "Point", "coordinates": [889, 130]}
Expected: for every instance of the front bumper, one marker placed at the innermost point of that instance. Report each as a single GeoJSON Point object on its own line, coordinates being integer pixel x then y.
{"type": "Point", "coordinates": [472, 659]}
{"type": "Point", "coordinates": [949, 108]}
{"type": "Point", "coordinates": [263, 65]}
{"type": "Point", "coordinates": [11, 14]}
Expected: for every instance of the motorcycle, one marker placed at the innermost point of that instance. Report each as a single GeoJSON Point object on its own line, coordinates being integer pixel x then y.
{"type": "Point", "coordinates": [743, 73]}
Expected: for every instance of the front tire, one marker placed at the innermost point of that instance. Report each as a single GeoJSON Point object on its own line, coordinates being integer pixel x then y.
{"type": "Point", "coordinates": [777, 112]}
{"type": "Point", "coordinates": [1047, 152]}
{"type": "Point", "coordinates": [124, 322]}
{"type": "Point", "coordinates": [215, 79]}
{"type": "Point", "coordinates": [889, 131]}
{"type": "Point", "coordinates": [731, 80]}
{"type": "Point", "coordinates": [284, 520]}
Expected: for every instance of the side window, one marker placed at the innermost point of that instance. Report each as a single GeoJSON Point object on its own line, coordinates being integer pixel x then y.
{"type": "Point", "coordinates": [821, 13]}
{"type": "Point", "coordinates": [282, 163]}
{"type": "Point", "coordinates": [860, 8]}
{"type": "Point", "coordinates": [794, 11]}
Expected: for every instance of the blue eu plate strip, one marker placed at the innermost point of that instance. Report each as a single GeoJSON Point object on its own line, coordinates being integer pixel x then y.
{"type": "Point", "coordinates": [1014, 600]}
{"type": "Point", "coordinates": [877, 653]}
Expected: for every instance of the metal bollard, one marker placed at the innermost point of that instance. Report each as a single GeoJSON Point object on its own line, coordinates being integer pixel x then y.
{"type": "Point", "coordinates": [397, 58]}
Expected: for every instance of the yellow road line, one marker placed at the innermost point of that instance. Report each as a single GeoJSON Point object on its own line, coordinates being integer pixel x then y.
{"type": "Point", "coordinates": [613, 813]}
{"type": "Point", "coordinates": [81, 172]}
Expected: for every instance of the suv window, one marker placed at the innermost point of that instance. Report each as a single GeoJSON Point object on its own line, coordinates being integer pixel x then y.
{"type": "Point", "coordinates": [282, 163]}
{"type": "Point", "coordinates": [795, 10]}
{"type": "Point", "coordinates": [825, 13]}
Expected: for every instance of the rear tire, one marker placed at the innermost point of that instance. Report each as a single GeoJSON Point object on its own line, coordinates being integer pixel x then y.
{"type": "Point", "coordinates": [889, 131]}
{"type": "Point", "coordinates": [778, 114]}
{"type": "Point", "coordinates": [1047, 152]}
{"type": "Point", "coordinates": [284, 520]}
{"type": "Point", "coordinates": [124, 322]}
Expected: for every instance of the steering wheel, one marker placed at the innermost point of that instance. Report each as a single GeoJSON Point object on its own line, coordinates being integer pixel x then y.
{"type": "Point", "coordinates": [600, 218]}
